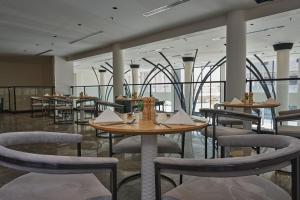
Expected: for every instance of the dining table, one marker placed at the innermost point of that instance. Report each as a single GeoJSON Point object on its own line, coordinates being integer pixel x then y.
{"type": "Point", "coordinates": [247, 108]}
{"type": "Point", "coordinates": [149, 130]}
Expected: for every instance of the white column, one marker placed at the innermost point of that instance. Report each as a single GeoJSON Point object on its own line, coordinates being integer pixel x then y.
{"type": "Point", "coordinates": [188, 74]}
{"type": "Point", "coordinates": [222, 78]}
{"type": "Point", "coordinates": [298, 105]}
{"type": "Point", "coordinates": [236, 55]}
{"type": "Point", "coordinates": [135, 77]}
{"type": "Point", "coordinates": [283, 63]}
{"type": "Point", "coordinates": [188, 96]}
{"type": "Point", "coordinates": [102, 82]}
{"type": "Point", "coordinates": [118, 70]}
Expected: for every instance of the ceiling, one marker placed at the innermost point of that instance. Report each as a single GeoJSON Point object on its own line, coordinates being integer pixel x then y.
{"type": "Point", "coordinates": [261, 35]}
{"type": "Point", "coordinates": [34, 26]}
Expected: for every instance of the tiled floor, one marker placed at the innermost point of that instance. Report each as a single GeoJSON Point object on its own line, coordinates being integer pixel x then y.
{"type": "Point", "coordinates": [95, 146]}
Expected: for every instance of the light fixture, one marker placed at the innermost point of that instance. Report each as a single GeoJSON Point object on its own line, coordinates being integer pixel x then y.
{"type": "Point", "coordinates": [85, 37]}
{"type": "Point", "coordinates": [43, 52]}
{"type": "Point", "coordinates": [164, 8]}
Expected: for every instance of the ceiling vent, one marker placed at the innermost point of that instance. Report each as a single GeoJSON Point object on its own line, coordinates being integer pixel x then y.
{"type": "Point", "coordinates": [262, 1]}
{"type": "Point", "coordinates": [164, 8]}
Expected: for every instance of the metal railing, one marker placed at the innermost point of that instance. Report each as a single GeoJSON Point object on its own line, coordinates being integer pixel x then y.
{"type": "Point", "coordinates": [17, 98]}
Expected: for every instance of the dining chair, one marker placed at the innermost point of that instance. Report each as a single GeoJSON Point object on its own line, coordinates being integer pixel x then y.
{"type": "Point", "coordinates": [63, 110]}
{"type": "Point", "coordinates": [284, 129]}
{"type": "Point", "coordinates": [38, 104]}
{"type": "Point", "coordinates": [225, 121]}
{"type": "Point", "coordinates": [53, 177]}
{"type": "Point", "coordinates": [215, 131]}
{"type": "Point", "coordinates": [85, 107]}
{"type": "Point", "coordinates": [237, 177]}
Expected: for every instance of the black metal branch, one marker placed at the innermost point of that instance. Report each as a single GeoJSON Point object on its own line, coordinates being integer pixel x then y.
{"type": "Point", "coordinates": [268, 72]}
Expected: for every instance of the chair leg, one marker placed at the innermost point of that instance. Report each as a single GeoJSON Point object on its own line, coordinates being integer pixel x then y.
{"type": "Point", "coordinates": [157, 183]}
{"type": "Point", "coordinates": [205, 144]}
{"type": "Point", "coordinates": [295, 179]}
{"type": "Point", "coordinates": [182, 155]}
{"type": "Point", "coordinates": [110, 145]}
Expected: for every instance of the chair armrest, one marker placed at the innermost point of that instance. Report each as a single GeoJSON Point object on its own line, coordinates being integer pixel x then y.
{"type": "Point", "coordinates": [220, 167]}
{"type": "Point", "coordinates": [53, 163]}
{"type": "Point", "coordinates": [288, 148]}
{"type": "Point", "coordinates": [255, 140]}
{"type": "Point", "coordinates": [34, 137]}
{"type": "Point", "coordinates": [289, 117]}
{"type": "Point", "coordinates": [288, 112]}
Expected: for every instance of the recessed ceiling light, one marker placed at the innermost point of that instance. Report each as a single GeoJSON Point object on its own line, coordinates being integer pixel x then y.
{"type": "Point", "coordinates": [163, 8]}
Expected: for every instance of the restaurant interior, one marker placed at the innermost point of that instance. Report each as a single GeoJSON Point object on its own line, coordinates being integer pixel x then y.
{"type": "Point", "coordinates": [150, 100]}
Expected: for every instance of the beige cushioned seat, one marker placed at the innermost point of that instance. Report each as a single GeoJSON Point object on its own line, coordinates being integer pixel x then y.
{"type": "Point", "coordinates": [133, 145]}
{"type": "Point", "coordinates": [35, 186]}
{"type": "Point", "coordinates": [238, 188]}
{"type": "Point", "coordinates": [293, 131]}
{"type": "Point", "coordinates": [227, 131]}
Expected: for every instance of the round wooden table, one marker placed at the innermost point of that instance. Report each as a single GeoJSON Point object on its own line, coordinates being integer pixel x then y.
{"type": "Point", "coordinates": [148, 131]}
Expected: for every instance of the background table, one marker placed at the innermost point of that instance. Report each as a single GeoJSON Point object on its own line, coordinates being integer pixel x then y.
{"type": "Point", "coordinates": [248, 107]}
{"type": "Point", "coordinates": [148, 131]}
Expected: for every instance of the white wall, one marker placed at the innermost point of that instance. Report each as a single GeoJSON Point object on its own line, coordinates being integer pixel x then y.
{"type": "Point", "coordinates": [64, 75]}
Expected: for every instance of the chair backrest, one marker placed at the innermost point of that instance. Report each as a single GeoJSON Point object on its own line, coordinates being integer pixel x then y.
{"type": "Point", "coordinates": [21, 160]}
{"type": "Point", "coordinates": [118, 107]}
{"type": "Point", "coordinates": [53, 164]}
{"type": "Point", "coordinates": [230, 114]}
{"type": "Point", "coordinates": [287, 149]}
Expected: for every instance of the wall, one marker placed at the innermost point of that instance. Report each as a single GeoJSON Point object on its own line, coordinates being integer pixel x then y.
{"type": "Point", "coordinates": [26, 71]}
{"type": "Point", "coordinates": [64, 75]}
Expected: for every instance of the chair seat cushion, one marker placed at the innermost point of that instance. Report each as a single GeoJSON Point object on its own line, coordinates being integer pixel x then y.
{"type": "Point", "coordinates": [35, 186]}
{"type": "Point", "coordinates": [229, 121]}
{"type": "Point", "coordinates": [133, 145]}
{"type": "Point", "coordinates": [227, 131]}
{"type": "Point", "coordinates": [293, 131]}
{"type": "Point", "coordinates": [249, 187]}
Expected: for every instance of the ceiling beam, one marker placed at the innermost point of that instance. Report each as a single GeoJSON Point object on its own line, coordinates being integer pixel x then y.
{"type": "Point", "coordinates": [264, 10]}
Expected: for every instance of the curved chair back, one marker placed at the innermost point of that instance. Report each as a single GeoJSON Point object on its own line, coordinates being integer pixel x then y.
{"type": "Point", "coordinates": [230, 114]}
{"type": "Point", "coordinates": [287, 151]}
{"type": "Point", "coordinates": [52, 164]}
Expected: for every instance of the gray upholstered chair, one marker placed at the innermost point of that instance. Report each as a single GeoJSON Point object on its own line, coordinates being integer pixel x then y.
{"type": "Point", "coordinates": [285, 116]}
{"type": "Point", "coordinates": [53, 177]}
{"type": "Point", "coordinates": [227, 121]}
{"type": "Point", "coordinates": [216, 131]}
{"type": "Point", "coordinates": [234, 178]}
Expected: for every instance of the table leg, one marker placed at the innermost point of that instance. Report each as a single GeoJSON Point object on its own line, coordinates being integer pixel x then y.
{"type": "Point", "coordinates": [81, 112]}
{"type": "Point", "coordinates": [149, 152]}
